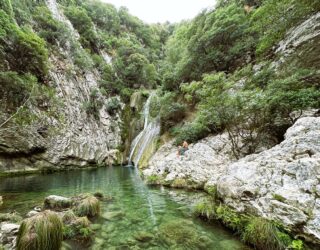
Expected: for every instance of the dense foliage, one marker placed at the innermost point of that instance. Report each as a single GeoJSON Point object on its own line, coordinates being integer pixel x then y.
{"type": "Point", "coordinates": [214, 73]}
{"type": "Point", "coordinates": [222, 64]}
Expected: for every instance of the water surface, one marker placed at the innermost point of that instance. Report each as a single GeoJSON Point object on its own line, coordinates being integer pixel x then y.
{"type": "Point", "coordinates": [134, 209]}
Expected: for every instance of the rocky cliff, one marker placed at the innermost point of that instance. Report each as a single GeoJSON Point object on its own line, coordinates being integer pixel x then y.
{"type": "Point", "coordinates": [69, 136]}
{"type": "Point", "coordinates": [281, 183]}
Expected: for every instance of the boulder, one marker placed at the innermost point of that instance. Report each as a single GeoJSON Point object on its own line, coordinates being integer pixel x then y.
{"type": "Point", "coordinates": [8, 235]}
{"type": "Point", "coordinates": [209, 157]}
{"type": "Point", "coordinates": [57, 202]}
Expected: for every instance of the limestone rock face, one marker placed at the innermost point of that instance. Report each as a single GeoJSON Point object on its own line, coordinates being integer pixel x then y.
{"type": "Point", "coordinates": [281, 183]}
{"type": "Point", "coordinates": [66, 136]}
{"type": "Point", "coordinates": [301, 44]}
{"type": "Point", "coordinates": [207, 158]}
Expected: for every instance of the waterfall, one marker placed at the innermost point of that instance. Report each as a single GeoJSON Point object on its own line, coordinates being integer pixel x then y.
{"type": "Point", "coordinates": [147, 136]}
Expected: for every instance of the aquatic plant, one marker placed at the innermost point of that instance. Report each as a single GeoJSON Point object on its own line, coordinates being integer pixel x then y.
{"type": "Point", "coordinates": [89, 206]}
{"type": "Point", "coordinates": [153, 180]}
{"type": "Point", "coordinates": [42, 231]}
{"type": "Point", "coordinates": [230, 218]}
{"type": "Point", "coordinates": [205, 210]}
{"type": "Point", "coordinates": [181, 234]}
{"type": "Point", "coordinates": [263, 235]}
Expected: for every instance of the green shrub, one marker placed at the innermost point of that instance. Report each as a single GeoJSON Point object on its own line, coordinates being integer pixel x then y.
{"type": "Point", "coordinates": [6, 6]}
{"type": "Point", "coordinates": [113, 105]}
{"type": "Point", "coordinates": [42, 231]}
{"type": "Point", "coordinates": [171, 110]}
{"type": "Point", "coordinates": [83, 23]}
{"type": "Point", "coordinates": [23, 44]}
{"type": "Point", "coordinates": [53, 31]}
{"type": "Point", "coordinates": [190, 132]}
{"type": "Point", "coordinates": [93, 106]}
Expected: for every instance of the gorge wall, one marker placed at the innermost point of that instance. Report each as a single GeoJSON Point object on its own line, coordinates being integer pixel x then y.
{"type": "Point", "coordinates": [69, 136]}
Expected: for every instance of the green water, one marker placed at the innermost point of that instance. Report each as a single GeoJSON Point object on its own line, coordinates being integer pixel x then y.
{"type": "Point", "coordinates": [134, 209]}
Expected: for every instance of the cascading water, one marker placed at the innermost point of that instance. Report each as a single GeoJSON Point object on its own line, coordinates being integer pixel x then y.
{"type": "Point", "coordinates": [147, 136]}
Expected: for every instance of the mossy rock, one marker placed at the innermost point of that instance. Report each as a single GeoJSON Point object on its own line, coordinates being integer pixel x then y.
{"type": "Point", "coordinates": [179, 183]}
{"type": "Point", "coordinates": [43, 231]}
{"type": "Point", "coordinates": [95, 227]}
{"type": "Point", "coordinates": [114, 215]}
{"type": "Point", "coordinates": [56, 202]}
{"type": "Point", "coordinates": [79, 230]}
{"type": "Point", "coordinates": [143, 236]}
{"type": "Point", "coordinates": [181, 234]}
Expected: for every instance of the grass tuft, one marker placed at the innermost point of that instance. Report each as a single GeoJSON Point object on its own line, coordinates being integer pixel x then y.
{"type": "Point", "coordinates": [42, 231]}
{"type": "Point", "coordinates": [89, 206]}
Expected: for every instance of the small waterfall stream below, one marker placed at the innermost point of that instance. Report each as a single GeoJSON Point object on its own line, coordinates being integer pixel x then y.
{"type": "Point", "coordinates": [147, 136]}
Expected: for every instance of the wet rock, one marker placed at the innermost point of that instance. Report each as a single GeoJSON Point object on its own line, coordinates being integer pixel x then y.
{"type": "Point", "coordinates": [57, 202]}
{"type": "Point", "coordinates": [32, 213]}
{"type": "Point", "coordinates": [143, 236]}
{"type": "Point", "coordinates": [116, 215]}
{"type": "Point", "coordinates": [8, 235]}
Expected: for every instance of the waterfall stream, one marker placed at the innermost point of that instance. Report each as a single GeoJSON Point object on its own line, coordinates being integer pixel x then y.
{"type": "Point", "coordinates": [146, 137]}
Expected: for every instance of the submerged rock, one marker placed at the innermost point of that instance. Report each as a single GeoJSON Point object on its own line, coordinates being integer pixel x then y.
{"type": "Point", "coordinates": [113, 215]}
{"type": "Point", "coordinates": [143, 236]}
{"type": "Point", "coordinates": [182, 234]}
